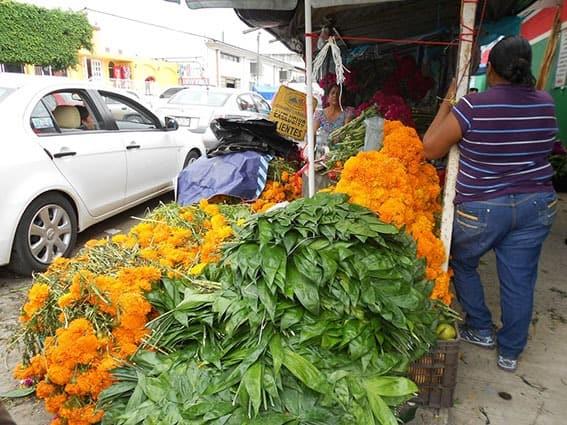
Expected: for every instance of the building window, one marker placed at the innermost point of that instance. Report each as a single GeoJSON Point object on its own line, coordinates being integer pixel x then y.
{"type": "Point", "coordinates": [231, 83]}
{"type": "Point", "coordinates": [10, 67]}
{"type": "Point", "coordinates": [230, 58]}
{"type": "Point", "coordinates": [94, 69]}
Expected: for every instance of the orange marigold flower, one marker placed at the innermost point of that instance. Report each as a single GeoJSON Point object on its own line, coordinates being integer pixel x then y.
{"type": "Point", "coordinates": [55, 403]}
{"type": "Point", "coordinates": [37, 296]}
{"type": "Point", "coordinates": [403, 190]}
{"type": "Point", "coordinates": [44, 390]}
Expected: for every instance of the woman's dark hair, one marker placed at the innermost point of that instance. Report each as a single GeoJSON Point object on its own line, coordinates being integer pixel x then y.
{"type": "Point", "coordinates": [511, 59]}
{"type": "Point", "coordinates": [83, 111]}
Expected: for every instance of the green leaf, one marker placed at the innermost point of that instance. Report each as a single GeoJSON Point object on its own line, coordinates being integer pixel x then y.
{"type": "Point", "coordinates": [290, 240]}
{"type": "Point", "coordinates": [248, 259]}
{"type": "Point", "coordinates": [306, 262]}
{"type": "Point", "coordinates": [19, 392]}
{"type": "Point", "coordinates": [290, 317]}
{"type": "Point", "coordinates": [272, 258]}
{"type": "Point", "coordinates": [264, 231]}
{"type": "Point", "coordinates": [303, 288]}
{"type": "Point", "coordinates": [272, 419]}
{"type": "Point", "coordinates": [253, 383]}
{"type": "Point", "coordinates": [305, 371]}
{"type": "Point", "coordinates": [380, 409]}
{"type": "Point", "coordinates": [267, 298]}
{"type": "Point", "coordinates": [276, 350]}
{"type": "Point", "coordinates": [391, 386]}
{"type": "Point", "coordinates": [314, 330]}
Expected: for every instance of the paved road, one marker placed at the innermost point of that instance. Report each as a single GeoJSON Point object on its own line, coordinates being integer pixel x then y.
{"type": "Point", "coordinates": [13, 291]}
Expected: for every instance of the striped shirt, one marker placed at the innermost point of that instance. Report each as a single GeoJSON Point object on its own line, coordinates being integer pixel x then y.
{"type": "Point", "coordinates": [508, 133]}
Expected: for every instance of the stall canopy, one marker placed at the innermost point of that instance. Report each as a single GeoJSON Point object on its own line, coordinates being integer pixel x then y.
{"type": "Point", "coordinates": [402, 19]}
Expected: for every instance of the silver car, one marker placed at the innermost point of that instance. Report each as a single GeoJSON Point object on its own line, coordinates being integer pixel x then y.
{"type": "Point", "coordinates": [195, 108]}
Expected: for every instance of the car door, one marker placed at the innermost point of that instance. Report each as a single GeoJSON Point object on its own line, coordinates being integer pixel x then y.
{"type": "Point", "coordinates": [93, 164]}
{"type": "Point", "coordinates": [152, 154]}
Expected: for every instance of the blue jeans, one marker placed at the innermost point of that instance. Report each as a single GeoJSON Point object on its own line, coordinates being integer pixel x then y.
{"type": "Point", "coordinates": [515, 227]}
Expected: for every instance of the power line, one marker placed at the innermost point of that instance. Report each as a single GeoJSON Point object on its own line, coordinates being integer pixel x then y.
{"type": "Point", "coordinates": [164, 27]}
{"type": "Point", "coordinates": [137, 21]}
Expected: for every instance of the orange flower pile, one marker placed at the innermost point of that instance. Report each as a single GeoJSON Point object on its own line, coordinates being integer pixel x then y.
{"type": "Point", "coordinates": [182, 249]}
{"type": "Point", "coordinates": [403, 190]}
{"type": "Point", "coordinates": [92, 310]}
{"type": "Point", "coordinates": [74, 365]}
{"type": "Point", "coordinates": [288, 188]}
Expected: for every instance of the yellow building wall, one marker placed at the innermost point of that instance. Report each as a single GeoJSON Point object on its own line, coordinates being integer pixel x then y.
{"type": "Point", "coordinates": [165, 73]}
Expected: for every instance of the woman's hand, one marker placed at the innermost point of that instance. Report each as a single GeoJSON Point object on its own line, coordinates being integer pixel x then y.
{"type": "Point", "coordinates": [451, 91]}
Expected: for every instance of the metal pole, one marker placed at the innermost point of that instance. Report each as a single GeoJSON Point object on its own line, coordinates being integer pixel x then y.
{"type": "Point", "coordinates": [258, 71]}
{"type": "Point", "coordinates": [309, 108]}
{"type": "Point", "coordinates": [468, 14]}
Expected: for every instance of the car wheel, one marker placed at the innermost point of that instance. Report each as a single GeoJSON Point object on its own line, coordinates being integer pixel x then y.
{"type": "Point", "coordinates": [47, 230]}
{"type": "Point", "coordinates": [192, 156]}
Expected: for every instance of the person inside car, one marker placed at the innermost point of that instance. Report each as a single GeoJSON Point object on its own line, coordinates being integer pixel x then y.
{"type": "Point", "coordinates": [87, 120]}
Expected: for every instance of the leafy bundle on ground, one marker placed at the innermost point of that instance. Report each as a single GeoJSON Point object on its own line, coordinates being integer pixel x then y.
{"type": "Point", "coordinates": [322, 307]}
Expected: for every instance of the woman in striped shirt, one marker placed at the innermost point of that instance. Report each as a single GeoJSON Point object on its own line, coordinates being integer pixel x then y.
{"type": "Point", "coordinates": [505, 200]}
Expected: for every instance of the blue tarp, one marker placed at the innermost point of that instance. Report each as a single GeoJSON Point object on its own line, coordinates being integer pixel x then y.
{"type": "Point", "coordinates": [240, 174]}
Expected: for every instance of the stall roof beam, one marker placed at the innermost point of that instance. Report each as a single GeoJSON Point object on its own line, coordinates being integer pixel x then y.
{"type": "Point", "coordinates": [276, 4]}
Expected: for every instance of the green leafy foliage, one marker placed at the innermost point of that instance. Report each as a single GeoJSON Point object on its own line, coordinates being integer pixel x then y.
{"type": "Point", "coordinates": [34, 35]}
{"type": "Point", "coordinates": [321, 309]}
{"type": "Point", "coordinates": [559, 163]}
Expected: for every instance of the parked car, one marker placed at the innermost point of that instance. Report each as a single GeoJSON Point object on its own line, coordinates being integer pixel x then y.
{"type": "Point", "coordinates": [167, 93]}
{"type": "Point", "coordinates": [195, 108]}
{"type": "Point", "coordinates": [67, 162]}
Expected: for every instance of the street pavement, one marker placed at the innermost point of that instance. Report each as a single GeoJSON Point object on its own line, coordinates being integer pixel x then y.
{"type": "Point", "coordinates": [536, 393]}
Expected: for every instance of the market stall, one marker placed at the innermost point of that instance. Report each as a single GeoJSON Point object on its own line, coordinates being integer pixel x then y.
{"type": "Point", "coordinates": [330, 310]}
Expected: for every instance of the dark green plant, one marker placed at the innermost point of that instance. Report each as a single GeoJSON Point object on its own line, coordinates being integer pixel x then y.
{"type": "Point", "coordinates": [39, 36]}
{"type": "Point", "coordinates": [321, 309]}
{"type": "Point", "coordinates": [559, 164]}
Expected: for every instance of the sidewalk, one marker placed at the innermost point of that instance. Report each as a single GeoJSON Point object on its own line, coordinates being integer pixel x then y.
{"type": "Point", "coordinates": [538, 389]}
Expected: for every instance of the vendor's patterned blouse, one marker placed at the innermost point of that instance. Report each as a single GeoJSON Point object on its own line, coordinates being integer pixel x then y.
{"type": "Point", "coordinates": [327, 126]}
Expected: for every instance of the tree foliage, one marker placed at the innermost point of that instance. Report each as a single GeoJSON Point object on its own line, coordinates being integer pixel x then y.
{"type": "Point", "coordinates": [39, 36]}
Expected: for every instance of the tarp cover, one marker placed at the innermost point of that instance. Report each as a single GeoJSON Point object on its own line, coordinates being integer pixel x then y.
{"type": "Point", "coordinates": [242, 175]}
{"type": "Point", "coordinates": [274, 4]}
{"type": "Point", "coordinates": [259, 135]}
{"type": "Point", "coordinates": [402, 19]}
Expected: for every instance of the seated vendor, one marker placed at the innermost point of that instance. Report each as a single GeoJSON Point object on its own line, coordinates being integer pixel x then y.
{"type": "Point", "coordinates": [329, 119]}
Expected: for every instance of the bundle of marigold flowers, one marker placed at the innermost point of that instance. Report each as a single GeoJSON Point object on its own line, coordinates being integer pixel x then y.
{"type": "Point", "coordinates": [288, 188]}
{"type": "Point", "coordinates": [403, 189]}
{"type": "Point", "coordinates": [87, 315]}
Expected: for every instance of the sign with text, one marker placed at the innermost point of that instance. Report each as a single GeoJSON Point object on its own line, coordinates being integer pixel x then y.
{"type": "Point", "coordinates": [288, 112]}
{"type": "Point", "coordinates": [561, 70]}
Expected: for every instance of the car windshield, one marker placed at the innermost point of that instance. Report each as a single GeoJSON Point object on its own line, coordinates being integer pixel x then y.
{"type": "Point", "coordinates": [200, 97]}
{"type": "Point", "coordinates": [4, 92]}
{"type": "Point", "coordinates": [170, 92]}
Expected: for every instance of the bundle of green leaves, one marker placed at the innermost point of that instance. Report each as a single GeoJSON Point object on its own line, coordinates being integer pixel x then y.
{"type": "Point", "coordinates": [321, 309]}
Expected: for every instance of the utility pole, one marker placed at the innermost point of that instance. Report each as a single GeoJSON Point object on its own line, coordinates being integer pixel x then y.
{"type": "Point", "coordinates": [258, 60]}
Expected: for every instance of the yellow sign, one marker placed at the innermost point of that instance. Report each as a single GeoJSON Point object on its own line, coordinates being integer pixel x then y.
{"type": "Point", "coordinates": [288, 112]}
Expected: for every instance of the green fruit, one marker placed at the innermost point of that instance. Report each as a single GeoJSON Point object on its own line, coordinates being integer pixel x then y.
{"type": "Point", "coordinates": [446, 331]}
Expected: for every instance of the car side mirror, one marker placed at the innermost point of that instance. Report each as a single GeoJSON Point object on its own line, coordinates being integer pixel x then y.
{"type": "Point", "coordinates": [171, 124]}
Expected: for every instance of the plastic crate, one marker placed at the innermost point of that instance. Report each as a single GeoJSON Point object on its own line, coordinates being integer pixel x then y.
{"type": "Point", "coordinates": [436, 374]}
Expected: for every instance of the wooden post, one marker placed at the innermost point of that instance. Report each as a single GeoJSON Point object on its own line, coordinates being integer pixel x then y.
{"type": "Point", "coordinates": [468, 15]}
{"type": "Point", "coordinates": [309, 108]}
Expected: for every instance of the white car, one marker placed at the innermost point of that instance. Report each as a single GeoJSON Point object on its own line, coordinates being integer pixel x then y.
{"type": "Point", "coordinates": [196, 107]}
{"type": "Point", "coordinates": [67, 163]}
